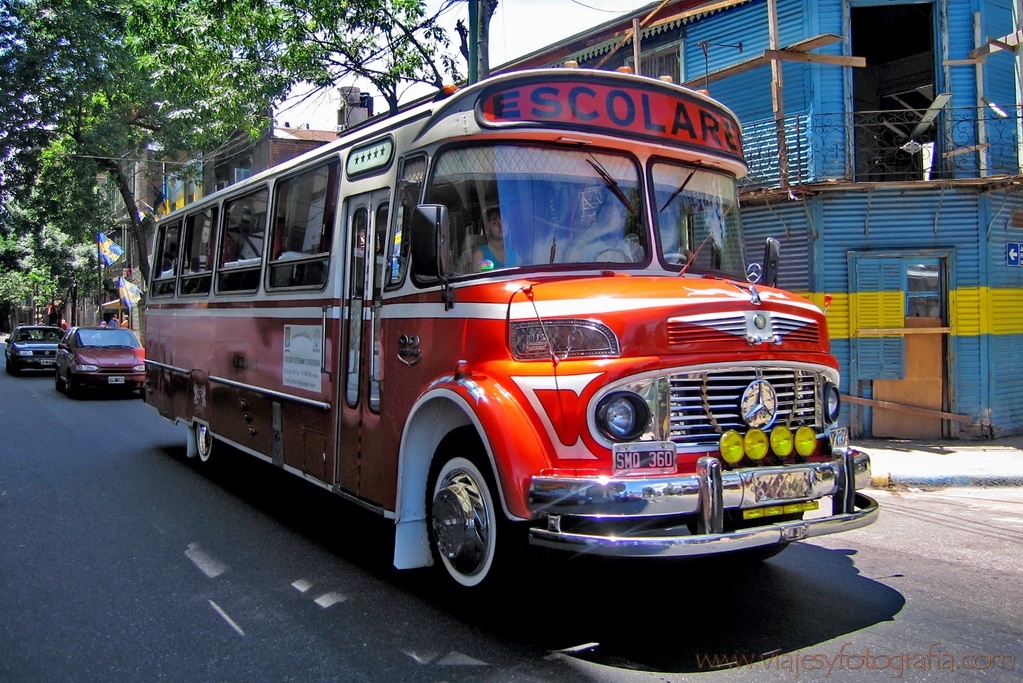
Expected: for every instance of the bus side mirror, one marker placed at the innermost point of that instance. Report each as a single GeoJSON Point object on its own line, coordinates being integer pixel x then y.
{"type": "Point", "coordinates": [430, 239]}
{"type": "Point", "coordinates": [772, 254]}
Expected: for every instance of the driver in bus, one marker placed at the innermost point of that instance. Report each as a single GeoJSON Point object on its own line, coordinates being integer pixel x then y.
{"type": "Point", "coordinates": [606, 239]}
{"type": "Point", "coordinates": [491, 254]}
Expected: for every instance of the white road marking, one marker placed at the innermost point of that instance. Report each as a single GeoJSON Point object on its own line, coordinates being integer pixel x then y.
{"type": "Point", "coordinates": [206, 563]}
{"type": "Point", "coordinates": [458, 659]}
{"type": "Point", "coordinates": [328, 599]}
{"type": "Point", "coordinates": [302, 585]}
{"type": "Point", "coordinates": [421, 659]}
{"type": "Point", "coordinates": [228, 619]}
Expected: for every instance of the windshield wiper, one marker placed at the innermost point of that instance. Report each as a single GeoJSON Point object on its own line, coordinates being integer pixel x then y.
{"type": "Point", "coordinates": [710, 232]}
{"type": "Point", "coordinates": [678, 191]}
{"type": "Point", "coordinates": [611, 183]}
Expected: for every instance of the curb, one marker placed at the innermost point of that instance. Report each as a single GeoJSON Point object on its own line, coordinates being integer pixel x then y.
{"type": "Point", "coordinates": [946, 481]}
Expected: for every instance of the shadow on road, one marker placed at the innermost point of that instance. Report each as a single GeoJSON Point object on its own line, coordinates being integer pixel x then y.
{"type": "Point", "coordinates": [672, 616]}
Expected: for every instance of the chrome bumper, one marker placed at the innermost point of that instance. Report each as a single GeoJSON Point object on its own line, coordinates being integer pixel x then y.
{"type": "Point", "coordinates": [708, 492]}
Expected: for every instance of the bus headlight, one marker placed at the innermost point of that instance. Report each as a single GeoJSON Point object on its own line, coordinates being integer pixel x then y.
{"type": "Point", "coordinates": [782, 441]}
{"type": "Point", "coordinates": [755, 444]}
{"type": "Point", "coordinates": [730, 447]}
{"type": "Point", "coordinates": [622, 416]}
{"type": "Point", "coordinates": [806, 441]}
{"type": "Point", "coordinates": [536, 340]}
{"type": "Point", "coordinates": [832, 402]}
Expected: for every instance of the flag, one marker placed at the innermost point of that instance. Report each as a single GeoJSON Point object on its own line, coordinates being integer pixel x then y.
{"type": "Point", "coordinates": [129, 293]}
{"type": "Point", "coordinates": [109, 251]}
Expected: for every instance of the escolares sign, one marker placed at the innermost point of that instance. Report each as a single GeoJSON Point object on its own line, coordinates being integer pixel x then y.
{"type": "Point", "coordinates": [669, 115]}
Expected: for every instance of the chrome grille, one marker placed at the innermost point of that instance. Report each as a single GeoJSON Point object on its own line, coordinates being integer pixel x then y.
{"type": "Point", "coordinates": [706, 404]}
{"type": "Point", "coordinates": [709, 329]}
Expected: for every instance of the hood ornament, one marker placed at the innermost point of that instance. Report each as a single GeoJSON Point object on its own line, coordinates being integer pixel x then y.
{"type": "Point", "coordinates": [754, 295]}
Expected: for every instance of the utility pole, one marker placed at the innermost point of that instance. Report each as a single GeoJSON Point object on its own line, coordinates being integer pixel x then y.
{"type": "Point", "coordinates": [474, 33]}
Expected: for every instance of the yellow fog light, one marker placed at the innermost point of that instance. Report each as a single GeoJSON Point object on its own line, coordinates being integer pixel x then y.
{"type": "Point", "coordinates": [781, 441]}
{"type": "Point", "coordinates": [755, 444]}
{"type": "Point", "coordinates": [731, 447]}
{"type": "Point", "coordinates": [806, 441]}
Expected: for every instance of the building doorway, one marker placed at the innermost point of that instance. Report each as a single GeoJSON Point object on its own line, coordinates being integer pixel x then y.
{"type": "Point", "coordinates": [895, 98]}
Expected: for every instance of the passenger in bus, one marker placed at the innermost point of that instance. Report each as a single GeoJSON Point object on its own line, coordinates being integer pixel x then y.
{"type": "Point", "coordinates": [491, 254]}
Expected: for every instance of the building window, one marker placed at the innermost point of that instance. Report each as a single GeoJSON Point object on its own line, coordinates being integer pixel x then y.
{"type": "Point", "coordinates": [662, 61]}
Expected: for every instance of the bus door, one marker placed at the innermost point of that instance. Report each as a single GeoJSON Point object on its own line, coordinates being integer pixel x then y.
{"type": "Point", "coordinates": [360, 447]}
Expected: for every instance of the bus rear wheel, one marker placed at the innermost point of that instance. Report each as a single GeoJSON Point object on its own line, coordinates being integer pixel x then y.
{"type": "Point", "coordinates": [463, 522]}
{"type": "Point", "coordinates": [203, 441]}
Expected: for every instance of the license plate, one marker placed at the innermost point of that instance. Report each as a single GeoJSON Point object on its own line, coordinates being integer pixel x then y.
{"type": "Point", "coordinates": [839, 437]}
{"type": "Point", "coordinates": [790, 485]}
{"type": "Point", "coordinates": [46, 362]}
{"type": "Point", "coordinates": [115, 380]}
{"type": "Point", "coordinates": [648, 457]}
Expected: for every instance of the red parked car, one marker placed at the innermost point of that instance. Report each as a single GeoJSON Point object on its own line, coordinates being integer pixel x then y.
{"type": "Point", "coordinates": [100, 358]}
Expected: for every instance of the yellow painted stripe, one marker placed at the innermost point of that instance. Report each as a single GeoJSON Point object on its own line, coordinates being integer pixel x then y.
{"type": "Point", "coordinates": [973, 311]}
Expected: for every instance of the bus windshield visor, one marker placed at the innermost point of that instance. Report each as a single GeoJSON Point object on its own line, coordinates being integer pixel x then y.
{"type": "Point", "coordinates": [527, 205]}
{"type": "Point", "coordinates": [697, 219]}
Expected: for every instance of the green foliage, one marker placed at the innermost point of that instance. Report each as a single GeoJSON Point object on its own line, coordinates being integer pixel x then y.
{"type": "Point", "coordinates": [91, 88]}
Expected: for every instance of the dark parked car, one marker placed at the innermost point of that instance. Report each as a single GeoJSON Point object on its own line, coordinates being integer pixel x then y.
{"type": "Point", "coordinates": [100, 358]}
{"type": "Point", "coordinates": [32, 346]}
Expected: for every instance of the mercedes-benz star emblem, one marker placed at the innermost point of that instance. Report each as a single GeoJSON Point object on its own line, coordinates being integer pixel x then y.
{"type": "Point", "coordinates": [759, 404]}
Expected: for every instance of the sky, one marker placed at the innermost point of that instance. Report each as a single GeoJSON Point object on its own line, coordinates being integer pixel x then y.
{"type": "Point", "coordinates": [519, 27]}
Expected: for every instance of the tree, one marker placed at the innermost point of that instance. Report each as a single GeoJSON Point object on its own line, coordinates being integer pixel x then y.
{"type": "Point", "coordinates": [95, 85]}
{"type": "Point", "coordinates": [392, 44]}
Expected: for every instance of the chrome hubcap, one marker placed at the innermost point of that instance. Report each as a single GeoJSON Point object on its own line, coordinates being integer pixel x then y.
{"type": "Point", "coordinates": [203, 442]}
{"type": "Point", "coordinates": [461, 522]}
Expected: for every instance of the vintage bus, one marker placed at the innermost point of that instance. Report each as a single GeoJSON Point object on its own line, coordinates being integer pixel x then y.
{"type": "Point", "coordinates": [517, 314]}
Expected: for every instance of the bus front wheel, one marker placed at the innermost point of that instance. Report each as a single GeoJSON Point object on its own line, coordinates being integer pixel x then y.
{"type": "Point", "coordinates": [463, 521]}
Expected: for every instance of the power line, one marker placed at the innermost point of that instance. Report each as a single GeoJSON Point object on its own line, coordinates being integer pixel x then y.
{"type": "Point", "coordinates": [597, 9]}
{"type": "Point", "coordinates": [137, 161]}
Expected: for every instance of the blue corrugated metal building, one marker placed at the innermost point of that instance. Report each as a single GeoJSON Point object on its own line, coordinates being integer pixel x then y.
{"type": "Point", "coordinates": [895, 192]}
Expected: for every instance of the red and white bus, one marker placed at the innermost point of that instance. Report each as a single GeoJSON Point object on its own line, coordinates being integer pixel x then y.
{"type": "Point", "coordinates": [518, 312]}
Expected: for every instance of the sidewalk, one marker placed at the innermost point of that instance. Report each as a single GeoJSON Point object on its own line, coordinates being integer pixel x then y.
{"type": "Point", "coordinates": [898, 462]}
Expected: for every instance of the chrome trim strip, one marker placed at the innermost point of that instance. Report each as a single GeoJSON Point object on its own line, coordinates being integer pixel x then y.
{"type": "Point", "coordinates": [271, 392]}
{"type": "Point", "coordinates": [708, 544]}
{"type": "Point", "coordinates": [241, 385]}
{"type": "Point", "coordinates": [173, 368]}
{"type": "Point", "coordinates": [680, 494]}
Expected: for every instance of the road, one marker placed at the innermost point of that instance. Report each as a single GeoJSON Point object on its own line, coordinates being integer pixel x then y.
{"type": "Point", "coordinates": [125, 561]}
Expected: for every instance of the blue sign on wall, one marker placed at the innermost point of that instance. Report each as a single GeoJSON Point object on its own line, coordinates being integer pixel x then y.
{"type": "Point", "coordinates": [1012, 250]}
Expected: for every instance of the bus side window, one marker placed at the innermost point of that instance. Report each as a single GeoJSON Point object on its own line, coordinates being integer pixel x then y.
{"type": "Point", "coordinates": [195, 272]}
{"type": "Point", "coordinates": [165, 259]}
{"type": "Point", "coordinates": [241, 242]}
{"type": "Point", "coordinates": [410, 186]}
{"type": "Point", "coordinates": [304, 227]}
{"type": "Point", "coordinates": [379, 248]}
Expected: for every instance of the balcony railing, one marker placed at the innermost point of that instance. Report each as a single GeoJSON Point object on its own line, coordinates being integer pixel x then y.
{"type": "Point", "coordinates": [886, 146]}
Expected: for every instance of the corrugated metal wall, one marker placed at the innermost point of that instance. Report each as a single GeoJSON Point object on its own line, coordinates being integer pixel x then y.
{"type": "Point", "coordinates": [1001, 294]}
{"type": "Point", "coordinates": [790, 222]}
{"type": "Point", "coordinates": [1000, 89]}
{"type": "Point", "coordinates": [910, 221]}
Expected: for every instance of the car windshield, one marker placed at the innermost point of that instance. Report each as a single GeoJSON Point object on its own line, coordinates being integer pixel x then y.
{"type": "Point", "coordinates": [529, 205]}
{"type": "Point", "coordinates": [697, 219]}
{"type": "Point", "coordinates": [38, 334]}
{"type": "Point", "coordinates": [113, 338]}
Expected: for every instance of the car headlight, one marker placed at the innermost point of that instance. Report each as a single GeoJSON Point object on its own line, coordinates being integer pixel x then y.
{"type": "Point", "coordinates": [622, 416]}
{"type": "Point", "coordinates": [533, 340]}
{"type": "Point", "coordinates": [81, 367]}
{"type": "Point", "coordinates": [24, 352]}
{"type": "Point", "coordinates": [140, 367]}
{"type": "Point", "coordinates": [832, 402]}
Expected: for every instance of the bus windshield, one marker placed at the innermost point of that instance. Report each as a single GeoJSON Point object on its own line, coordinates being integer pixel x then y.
{"type": "Point", "coordinates": [530, 205]}
{"type": "Point", "coordinates": [697, 218]}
